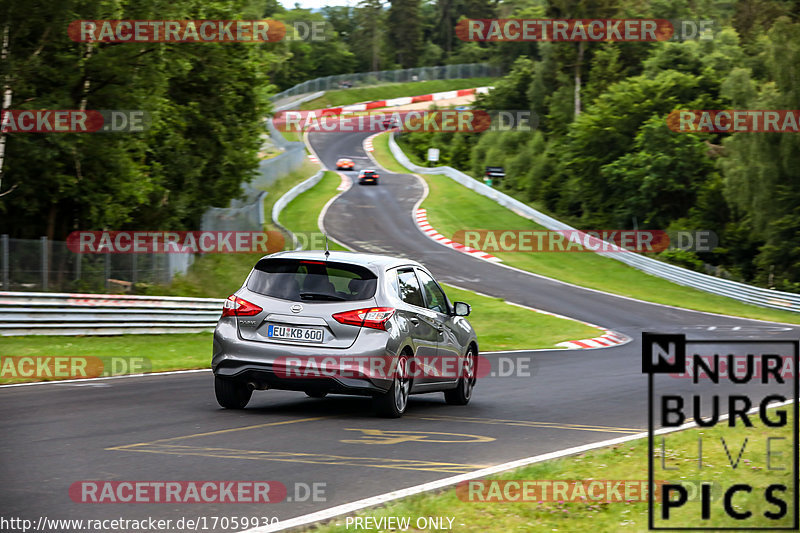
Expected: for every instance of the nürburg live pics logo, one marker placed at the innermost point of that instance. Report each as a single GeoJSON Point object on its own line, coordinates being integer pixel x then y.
{"type": "Point", "coordinates": [742, 396]}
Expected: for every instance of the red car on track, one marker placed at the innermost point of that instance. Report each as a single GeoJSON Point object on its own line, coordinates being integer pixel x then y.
{"type": "Point", "coordinates": [345, 164]}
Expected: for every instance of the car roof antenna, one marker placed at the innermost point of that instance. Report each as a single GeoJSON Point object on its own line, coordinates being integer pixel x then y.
{"type": "Point", "coordinates": [327, 252]}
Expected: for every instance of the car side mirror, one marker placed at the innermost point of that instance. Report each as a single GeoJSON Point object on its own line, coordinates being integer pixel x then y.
{"type": "Point", "coordinates": [461, 309]}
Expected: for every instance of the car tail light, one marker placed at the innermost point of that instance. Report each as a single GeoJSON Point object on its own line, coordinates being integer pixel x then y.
{"type": "Point", "coordinates": [235, 306]}
{"type": "Point", "coordinates": [371, 317]}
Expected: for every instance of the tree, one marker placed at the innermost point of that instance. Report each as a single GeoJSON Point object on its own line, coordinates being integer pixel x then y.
{"type": "Point", "coordinates": [762, 170]}
{"type": "Point", "coordinates": [305, 57]}
{"type": "Point", "coordinates": [606, 132]}
{"type": "Point", "coordinates": [658, 180]}
{"type": "Point", "coordinates": [206, 104]}
{"type": "Point", "coordinates": [370, 27]}
{"type": "Point", "coordinates": [404, 31]}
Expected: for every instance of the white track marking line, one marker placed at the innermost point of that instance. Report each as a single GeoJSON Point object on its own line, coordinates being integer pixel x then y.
{"type": "Point", "coordinates": [83, 380]}
{"type": "Point", "coordinates": [348, 508]}
{"type": "Point", "coordinates": [313, 152]}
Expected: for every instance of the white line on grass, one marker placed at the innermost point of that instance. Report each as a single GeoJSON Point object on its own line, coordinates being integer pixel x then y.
{"type": "Point", "coordinates": [352, 507]}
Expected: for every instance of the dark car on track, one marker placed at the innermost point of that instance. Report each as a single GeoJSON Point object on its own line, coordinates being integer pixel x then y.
{"type": "Point", "coordinates": [368, 176]}
{"type": "Point", "coordinates": [302, 311]}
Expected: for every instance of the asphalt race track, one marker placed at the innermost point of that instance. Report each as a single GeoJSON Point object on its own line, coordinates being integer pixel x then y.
{"type": "Point", "coordinates": [166, 428]}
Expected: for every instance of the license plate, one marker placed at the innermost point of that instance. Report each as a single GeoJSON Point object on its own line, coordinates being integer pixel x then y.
{"type": "Point", "coordinates": [295, 334]}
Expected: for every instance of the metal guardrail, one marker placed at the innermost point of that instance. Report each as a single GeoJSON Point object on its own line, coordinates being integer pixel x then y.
{"type": "Point", "coordinates": [44, 313]}
{"type": "Point", "coordinates": [785, 301]}
{"type": "Point", "coordinates": [290, 195]}
{"type": "Point", "coordinates": [442, 72]}
{"type": "Point", "coordinates": [292, 103]}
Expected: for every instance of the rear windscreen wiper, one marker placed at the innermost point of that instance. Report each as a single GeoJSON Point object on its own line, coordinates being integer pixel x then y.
{"type": "Point", "coordinates": [321, 296]}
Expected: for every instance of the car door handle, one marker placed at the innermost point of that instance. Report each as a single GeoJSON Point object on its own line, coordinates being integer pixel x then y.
{"type": "Point", "coordinates": [414, 321]}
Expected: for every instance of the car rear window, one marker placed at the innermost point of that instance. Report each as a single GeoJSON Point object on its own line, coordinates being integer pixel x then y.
{"type": "Point", "coordinates": [306, 280]}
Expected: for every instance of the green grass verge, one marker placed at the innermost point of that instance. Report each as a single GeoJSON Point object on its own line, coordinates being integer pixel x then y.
{"type": "Point", "coordinates": [301, 214]}
{"type": "Point", "coordinates": [292, 136]}
{"type": "Point", "coordinates": [490, 316]}
{"type": "Point", "coordinates": [282, 186]}
{"type": "Point", "coordinates": [452, 207]}
{"type": "Point", "coordinates": [392, 90]}
{"type": "Point", "coordinates": [384, 156]}
{"type": "Point", "coordinates": [626, 461]}
{"type": "Point", "coordinates": [179, 351]}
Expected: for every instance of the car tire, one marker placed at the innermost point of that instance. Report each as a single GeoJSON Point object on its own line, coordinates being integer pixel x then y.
{"type": "Point", "coordinates": [463, 391]}
{"type": "Point", "coordinates": [393, 403]}
{"type": "Point", "coordinates": [316, 394]}
{"type": "Point", "coordinates": [231, 394]}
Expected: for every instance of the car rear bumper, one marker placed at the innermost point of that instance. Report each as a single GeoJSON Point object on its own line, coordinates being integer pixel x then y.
{"type": "Point", "coordinates": [292, 367]}
{"type": "Point", "coordinates": [266, 377]}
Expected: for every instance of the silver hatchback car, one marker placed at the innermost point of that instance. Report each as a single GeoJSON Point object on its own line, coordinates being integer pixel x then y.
{"type": "Point", "coordinates": [343, 322]}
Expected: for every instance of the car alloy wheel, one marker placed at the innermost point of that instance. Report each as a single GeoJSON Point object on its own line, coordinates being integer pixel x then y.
{"type": "Point", "coordinates": [402, 384]}
{"type": "Point", "coordinates": [468, 380]}
{"type": "Point", "coordinates": [393, 403]}
{"type": "Point", "coordinates": [462, 393]}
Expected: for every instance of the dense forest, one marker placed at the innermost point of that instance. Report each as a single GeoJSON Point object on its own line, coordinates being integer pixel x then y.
{"type": "Point", "coordinates": [601, 157]}
{"type": "Point", "coordinates": [206, 102]}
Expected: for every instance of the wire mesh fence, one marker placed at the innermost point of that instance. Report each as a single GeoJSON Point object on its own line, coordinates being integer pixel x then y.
{"type": "Point", "coordinates": [362, 79]}
{"type": "Point", "coordinates": [46, 265]}
{"type": "Point", "coordinates": [247, 214]}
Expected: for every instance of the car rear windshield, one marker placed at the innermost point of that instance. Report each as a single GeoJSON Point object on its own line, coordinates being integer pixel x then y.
{"type": "Point", "coordinates": [306, 280]}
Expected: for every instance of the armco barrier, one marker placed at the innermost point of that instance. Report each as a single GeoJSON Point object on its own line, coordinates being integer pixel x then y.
{"type": "Point", "coordinates": [44, 313]}
{"type": "Point", "coordinates": [443, 72]}
{"type": "Point", "coordinates": [739, 291]}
